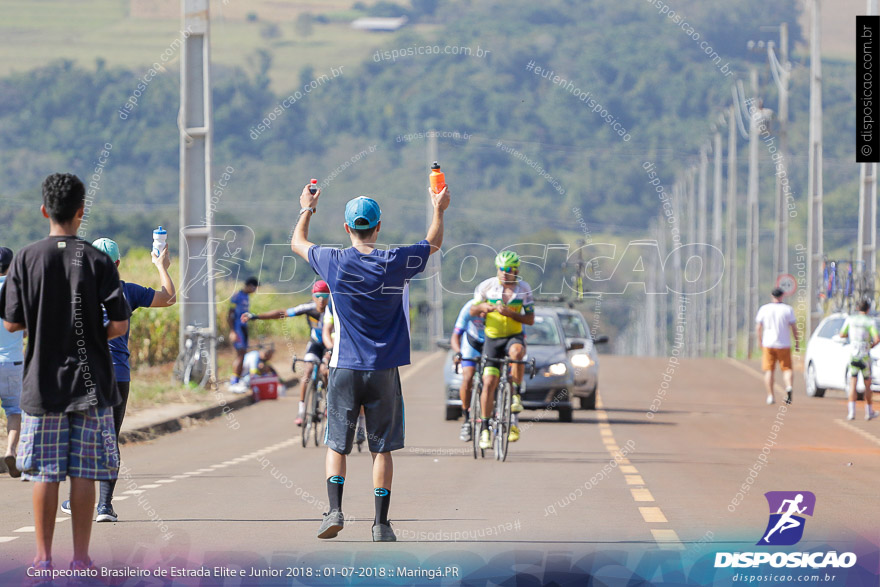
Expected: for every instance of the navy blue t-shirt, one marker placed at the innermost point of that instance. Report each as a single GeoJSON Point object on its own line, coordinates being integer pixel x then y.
{"type": "Point", "coordinates": [137, 296]}
{"type": "Point", "coordinates": [241, 304]}
{"type": "Point", "coordinates": [370, 297]}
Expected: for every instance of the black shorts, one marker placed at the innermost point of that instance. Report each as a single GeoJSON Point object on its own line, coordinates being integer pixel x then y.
{"type": "Point", "coordinates": [380, 394]}
{"type": "Point", "coordinates": [314, 352]}
{"type": "Point", "coordinates": [497, 348]}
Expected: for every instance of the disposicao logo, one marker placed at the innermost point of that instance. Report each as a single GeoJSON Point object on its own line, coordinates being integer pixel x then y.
{"type": "Point", "coordinates": [786, 528]}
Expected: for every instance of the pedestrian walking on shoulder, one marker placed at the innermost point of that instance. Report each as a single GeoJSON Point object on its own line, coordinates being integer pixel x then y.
{"type": "Point", "coordinates": [776, 326]}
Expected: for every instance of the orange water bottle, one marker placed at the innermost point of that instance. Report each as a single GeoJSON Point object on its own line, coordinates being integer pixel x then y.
{"type": "Point", "coordinates": [438, 180]}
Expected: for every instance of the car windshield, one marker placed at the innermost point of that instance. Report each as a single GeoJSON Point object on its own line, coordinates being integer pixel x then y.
{"type": "Point", "coordinates": [573, 326]}
{"type": "Point", "coordinates": [542, 332]}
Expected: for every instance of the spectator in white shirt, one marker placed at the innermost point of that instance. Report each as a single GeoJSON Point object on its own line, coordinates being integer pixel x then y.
{"type": "Point", "coordinates": [776, 326]}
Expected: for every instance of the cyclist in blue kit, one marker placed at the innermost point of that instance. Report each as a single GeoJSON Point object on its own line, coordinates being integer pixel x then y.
{"type": "Point", "coordinates": [238, 330]}
{"type": "Point", "coordinates": [314, 313]}
{"type": "Point", "coordinates": [467, 340]}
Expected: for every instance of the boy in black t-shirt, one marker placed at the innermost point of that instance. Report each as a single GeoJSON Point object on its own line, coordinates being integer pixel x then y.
{"type": "Point", "coordinates": [55, 290]}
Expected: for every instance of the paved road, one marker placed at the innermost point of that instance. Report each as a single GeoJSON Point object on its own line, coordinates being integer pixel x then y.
{"type": "Point", "coordinates": [246, 488]}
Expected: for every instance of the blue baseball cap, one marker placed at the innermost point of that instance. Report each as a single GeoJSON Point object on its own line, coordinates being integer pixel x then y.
{"type": "Point", "coordinates": [362, 212]}
{"type": "Point", "coordinates": [105, 245]}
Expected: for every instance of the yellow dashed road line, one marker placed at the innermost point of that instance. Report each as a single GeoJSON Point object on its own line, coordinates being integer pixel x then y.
{"type": "Point", "coordinates": [666, 538]}
{"type": "Point", "coordinates": [642, 494]}
{"type": "Point", "coordinates": [653, 515]}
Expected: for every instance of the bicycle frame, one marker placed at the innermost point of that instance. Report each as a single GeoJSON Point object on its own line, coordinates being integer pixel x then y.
{"type": "Point", "coordinates": [499, 421]}
{"type": "Point", "coordinates": [315, 416]}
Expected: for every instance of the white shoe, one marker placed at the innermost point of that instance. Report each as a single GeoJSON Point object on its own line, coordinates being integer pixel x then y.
{"type": "Point", "coordinates": [771, 400]}
{"type": "Point", "coordinates": [850, 416]}
{"type": "Point", "coordinates": [871, 415]}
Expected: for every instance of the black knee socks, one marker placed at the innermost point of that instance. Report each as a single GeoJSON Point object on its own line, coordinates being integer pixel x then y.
{"type": "Point", "coordinates": [383, 500]}
{"type": "Point", "coordinates": [335, 485]}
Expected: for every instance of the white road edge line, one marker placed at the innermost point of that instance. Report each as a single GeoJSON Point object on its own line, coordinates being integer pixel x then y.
{"type": "Point", "coordinates": [859, 431]}
{"type": "Point", "coordinates": [776, 386]}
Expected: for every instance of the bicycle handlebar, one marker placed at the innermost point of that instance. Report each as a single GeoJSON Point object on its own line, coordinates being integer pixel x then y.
{"type": "Point", "coordinates": [533, 369]}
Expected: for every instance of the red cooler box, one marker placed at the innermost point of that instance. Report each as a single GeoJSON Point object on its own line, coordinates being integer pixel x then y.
{"type": "Point", "coordinates": [265, 387]}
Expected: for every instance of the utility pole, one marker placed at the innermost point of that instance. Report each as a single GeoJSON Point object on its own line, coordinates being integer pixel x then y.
{"type": "Point", "coordinates": [651, 307]}
{"type": "Point", "coordinates": [815, 246]}
{"type": "Point", "coordinates": [752, 225]}
{"type": "Point", "coordinates": [692, 234]}
{"type": "Point", "coordinates": [196, 293]}
{"type": "Point", "coordinates": [702, 221]}
{"type": "Point", "coordinates": [867, 251]}
{"type": "Point", "coordinates": [678, 209]}
{"type": "Point", "coordinates": [781, 70]}
{"type": "Point", "coordinates": [432, 268]}
{"type": "Point", "coordinates": [717, 292]}
{"type": "Point", "coordinates": [732, 249]}
{"type": "Point", "coordinates": [662, 306]}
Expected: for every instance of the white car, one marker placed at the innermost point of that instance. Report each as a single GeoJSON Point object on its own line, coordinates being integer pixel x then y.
{"type": "Point", "coordinates": [826, 362]}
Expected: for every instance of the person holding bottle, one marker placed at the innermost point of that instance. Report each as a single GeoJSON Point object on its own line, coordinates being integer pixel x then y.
{"type": "Point", "coordinates": [137, 296]}
{"type": "Point", "coordinates": [369, 293]}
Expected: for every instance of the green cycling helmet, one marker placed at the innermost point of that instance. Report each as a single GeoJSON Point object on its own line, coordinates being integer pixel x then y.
{"type": "Point", "coordinates": [507, 259]}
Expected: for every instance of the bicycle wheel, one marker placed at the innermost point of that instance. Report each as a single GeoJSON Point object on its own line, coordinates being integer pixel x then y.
{"type": "Point", "coordinates": [180, 364]}
{"type": "Point", "coordinates": [502, 408]}
{"type": "Point", "coordinates": [320, 413]}
{"type": "Point", "coordinates": [475, 417]}
{"type": "Point", "coordinates": [308, 421]}
{"type": "Point", "coordinates": [196, 368]}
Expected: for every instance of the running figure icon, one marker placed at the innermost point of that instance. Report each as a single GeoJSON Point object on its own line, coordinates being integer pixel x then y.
{"type": "Point", "coordinates": [788, 511]}
{"type": "Point", "coordinates": [787, 522]}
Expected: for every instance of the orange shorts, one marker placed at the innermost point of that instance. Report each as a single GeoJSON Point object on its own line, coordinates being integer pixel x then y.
{"type": "Point", "coordinates": [771, 356]}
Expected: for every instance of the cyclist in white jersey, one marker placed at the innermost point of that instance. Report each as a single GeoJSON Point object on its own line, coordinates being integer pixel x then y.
{"type": "Point", "coordinates": [861, 331]}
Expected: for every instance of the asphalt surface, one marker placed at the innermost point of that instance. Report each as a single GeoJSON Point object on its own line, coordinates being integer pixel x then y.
{"type": "Point", "coordinates": [243, 486]}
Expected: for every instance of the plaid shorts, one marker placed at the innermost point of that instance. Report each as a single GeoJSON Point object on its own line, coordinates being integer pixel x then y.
{"type": "Point", "coordinates": [79, 444]}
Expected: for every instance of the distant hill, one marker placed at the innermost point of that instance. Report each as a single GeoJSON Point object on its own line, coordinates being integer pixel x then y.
{"type": "Point", "coordinates": [529, 123]}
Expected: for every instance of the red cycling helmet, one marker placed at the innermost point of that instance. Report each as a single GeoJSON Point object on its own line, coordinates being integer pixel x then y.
{"type": "Point", "coordinates": [320, 287]}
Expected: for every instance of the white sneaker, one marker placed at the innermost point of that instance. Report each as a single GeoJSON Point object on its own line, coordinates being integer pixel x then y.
{"type": "Point", "coordinates": [871, 415]}
{"type": "Point", "coordinates": [771, 400]}
{"type": "Point", "coordinates": [850, 416]}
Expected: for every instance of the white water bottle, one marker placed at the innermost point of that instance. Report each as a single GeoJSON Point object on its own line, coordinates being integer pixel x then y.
{"type": "Point", "coordinates": [160, 235]}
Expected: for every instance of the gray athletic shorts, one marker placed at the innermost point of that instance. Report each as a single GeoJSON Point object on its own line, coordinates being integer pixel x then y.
{"type": "Point", "coordinates": [380, 394]}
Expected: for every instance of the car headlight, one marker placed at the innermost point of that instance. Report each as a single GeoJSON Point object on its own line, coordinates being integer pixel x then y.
{"type": "Point", "coordinates": [556, 369]}
{"type": "Point", "coordinates": [581, 360]}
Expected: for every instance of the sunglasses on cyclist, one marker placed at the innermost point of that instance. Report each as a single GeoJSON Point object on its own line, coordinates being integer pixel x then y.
{"type": "Point", "coordinates": [508, 269]}
{"type": "Point", "coordinates": [323, 296]}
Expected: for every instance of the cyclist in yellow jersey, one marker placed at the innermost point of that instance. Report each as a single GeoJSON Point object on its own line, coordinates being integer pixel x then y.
{"type": "Point", "coordinates": [508, 304]}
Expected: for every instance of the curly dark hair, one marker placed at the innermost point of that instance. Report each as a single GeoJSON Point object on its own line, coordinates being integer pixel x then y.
{"type": "Point", "coordinates": [63, 195]}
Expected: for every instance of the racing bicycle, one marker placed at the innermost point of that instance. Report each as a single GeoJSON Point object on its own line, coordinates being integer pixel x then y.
{"type": "Point", "coordinates": [192, 366]}
{"type": "Point", "coordinates": [499, 423]}
{"type": "Point", "coordinates": [316, 406]}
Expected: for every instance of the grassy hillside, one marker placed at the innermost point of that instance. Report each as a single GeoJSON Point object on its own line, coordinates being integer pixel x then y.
{"type": "Point", "coordinates": [34, 33]}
